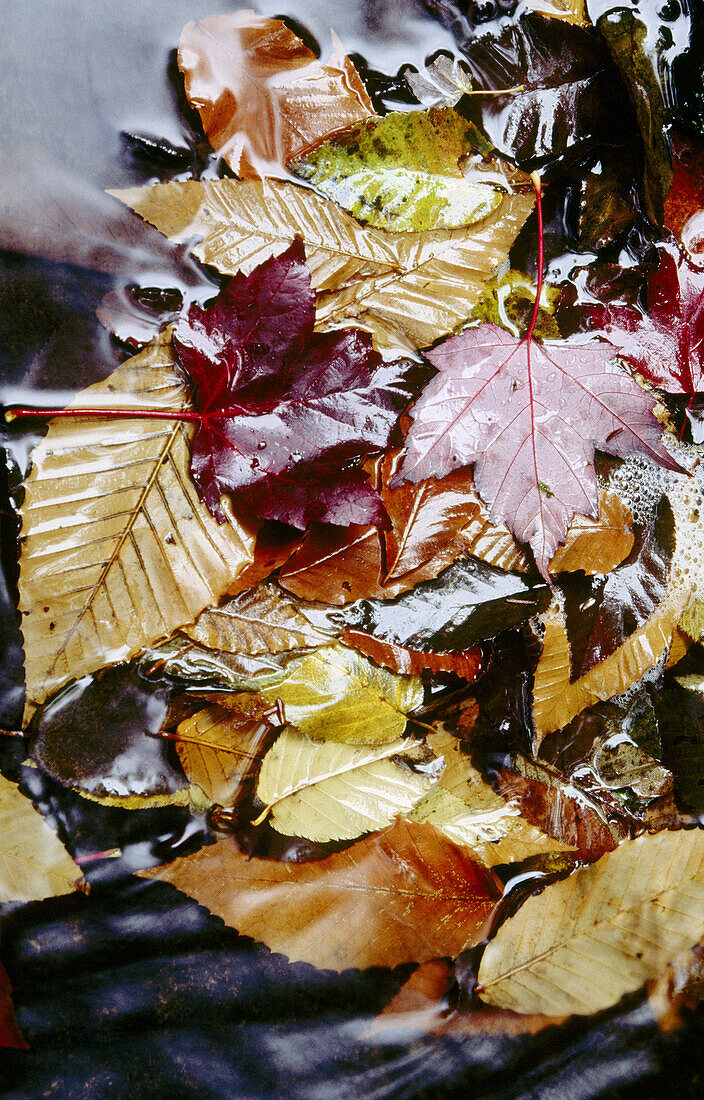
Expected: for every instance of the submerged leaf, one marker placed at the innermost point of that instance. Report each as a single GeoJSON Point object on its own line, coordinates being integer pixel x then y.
{"type": "Point", "coordinates": [262, 95]}
{"type": "Point", "coordinates": [440, 84]}
{"type": "Point", "coordinates": [407, 894]}
{"type": "Point", "coordinates": [602, 932]}
{"type": "Point", "coordinates": [10, 1034]}
{"type": "Point", "coordinates": [260, 620]}
{"type": "Point", "coordinates": [183, 661]}
{"type": "Point", "coordinates": [33, 862]}
{"type": "Point", "coordinates": [337, 792]}
{"type": "Point", "coordinates": [219, 746]}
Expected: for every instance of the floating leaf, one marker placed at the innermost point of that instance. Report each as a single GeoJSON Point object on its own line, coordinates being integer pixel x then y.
{"type": "Point", "coordinates": [414, 662]}
{"type": "Point", "coordinates": [403, 172]}
{"type": "Point", "coordinates": [440, 84]}
{"type": "Point", "coordinates": [337, 792]}
{"type": "Point", "coordinates": [183, 661]}
{"type": "Point", "coordinates": [262, 95]}
{"type": "Point", "coordinates": [117, 549]}
{"type": "Point", "coordinates": [219, 746]}
{"type": "Point", "coordinates": [406, 289]}
{"type": "Point", "coordinates": [469, 812]}
{"type": "Point", "coordinates": [33, 862]}
{"type": "Point", "coordinates": [602, 932]}
{"type": "Point", "coordinates": [685, 199]}
{"type": "Point", "coordinates": [261, 620]}
{"type": "Point", "coordinates": [335, 694]}
{"type": "Point", "coordinates": [405, 895]}
{"type": "Point", "coordinates": [571, 11]}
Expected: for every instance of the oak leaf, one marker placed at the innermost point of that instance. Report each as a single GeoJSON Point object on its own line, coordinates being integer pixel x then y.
{"type": "Point", "coordinates": [529, 417]}
{"type": "Point", "coordinates": [602, 932]}
{"type": "Point", "coordinates": [117, 549]}
{"type": "Point", "coordinates": [331, 791]}
{"type": "Point", "coordinates": [33, 862]}
{"type": "Point", "coordinates": [262, 95]}
{"type": "Point", "coordinates": [406, 894]}
{"type": "Point", "coordinates": [261, 620]}
{"type": "Point", "coordinates": [406, 289]}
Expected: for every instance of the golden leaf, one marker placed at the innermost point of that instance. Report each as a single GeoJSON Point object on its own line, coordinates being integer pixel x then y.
{"type": "Point", "coordinates": [570, 11]}
{"type": "Point", "coordinates": [333, 791]}
{"type": "Point", "coordinates": [261, 620]}
{"type": "Point", "coordinates": [117, 549]}
{"type": "Point", "coordinates": [469, 812]}
{"type": "Point", "coordinates": [33, 862]}
{"type": "Point", "coordinates": [336, 694]}
{"type": "Point", "coordinates": [406, 288]}
{"type": "Point", "coordinates": [219, 746]}
{"type": "Point", "coordinates": [405, 894]}
{"type": "Point", "coordinates": [602, 932]}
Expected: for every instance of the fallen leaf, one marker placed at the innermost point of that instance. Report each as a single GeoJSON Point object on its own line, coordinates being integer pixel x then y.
{"type": "Point", "coordinates": [529, 417]}
{"type": "Point", "coordinates": [33, 863]}
{"type": "Point", "coordinates": [597, 545]}
{"type": "Point", "coordinates": [467, 664]}
{"type": "Point", "coordinates": [572, 11]}
{"type": "Point", "coordinates": [405, 172]}
{"type": "Point", "coordinates": [407, 894]}
{"type": "Point", "coordinates": [464, 807]}
{"type": "Point", "coordinates": [685, 199]}
{"type": "Point", "coordinates": [406, 289]}
{"type": "Point", "coordinates": [184, 662]}
{"type": "Point", "coordinates": [602, 932]}
{"type": "Point", "coordinates": [336, 565]}
{"type": "Point", "coordinates": [274, 546]}
{"type": "Point", "coordinates": [283, 410]}
{"type": "Point", "coordinates": [262, 95]}
{"type": "Point", "coordinates": [261, 620]}
{"type": "Point", "coordinates": [335, 694]}
{"type": "Point", "coordinates": [331, 791]}
{"type": "Point", "coordinates": [117, 550]}
{"type": "Point", "coordinates": [218, 747]}
{"type": "Point", "coordinates": [10, 1034]}
{"type": "Point", "coordinates": [440, 84]}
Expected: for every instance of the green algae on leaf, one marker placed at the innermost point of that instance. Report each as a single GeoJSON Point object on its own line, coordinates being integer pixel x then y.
{"type": "Point", "coordinates": [404, 172]}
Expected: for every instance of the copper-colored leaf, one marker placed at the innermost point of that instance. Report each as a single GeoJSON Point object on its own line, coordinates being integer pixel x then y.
{"type": "Point", "coordinates": [263, 96]}
{"type": "Point", "coordinates": [117, 549]}
{"type": "Point", "coordinates": [403, 895]}
{"type": "Point", "coordinates": [218, 747]}
{"type": "Point", "coordinates": [33, 862]}
{"type": "Point", "coordinates": [413, 662]}
{"type": "Point", "coordinates": [261, 620]}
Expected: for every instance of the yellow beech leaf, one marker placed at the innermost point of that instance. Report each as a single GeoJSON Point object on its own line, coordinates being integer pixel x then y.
{"type": "Point", "coordinates": [570, 11]}
{"type": "Point", "coordinates": [406, 894]}
{"type": "Point", "coordinates": [261, 620]}
{"type": "Point", "coordinates": [470, 812]}
{"type": "Point", "coordinates": [602, 932]}
{"type": "Point", "coordinates": [117, 550]}
{"type": "Point", "coordinates": [336, 694]}
{"type": "Point", "coordinates": [33, 862]}
{"type": "Point", "coordinates": [331, 791]}
{"type": "Point", "coordinates": [218, 746]}
{"type": "Point", "coordinates": [406, 288]}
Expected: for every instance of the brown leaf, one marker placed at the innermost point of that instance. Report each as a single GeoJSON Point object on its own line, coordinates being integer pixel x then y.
{"type": "Point", "coordinates": [261, 620]}
{"type": "Point", "coordinates": [413, 662]}
{"type": "Point", "coordinates": [263, 96]}
{"type": "Point", "coordinates": [273, 548]}
{"type": "Point", "coordinates": [218, 747]}
{"type": "Point", "coordinates": [406, 894]}
{"type": "Point", "coordinates": [10, 1034]}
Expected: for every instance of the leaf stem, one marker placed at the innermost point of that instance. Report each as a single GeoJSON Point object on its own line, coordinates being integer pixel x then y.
{"type": "Point", "coordinates": [13, 412]}
{"type": "Point", "coordinates": [538, 188]}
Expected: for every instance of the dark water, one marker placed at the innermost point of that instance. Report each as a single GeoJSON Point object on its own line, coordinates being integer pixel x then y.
{"type": "Point", "coordinates": [137, 991]}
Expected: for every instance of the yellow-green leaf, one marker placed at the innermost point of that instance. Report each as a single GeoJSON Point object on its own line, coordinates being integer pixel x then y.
{"type": "Point", "coordinates": [331, 791]}
{"type": "Point", "coordinates": [602, 932]}
{"type": "Point", "coordinates": [33, 862]}
{"type": "Point", "coordinates": [117, 549]}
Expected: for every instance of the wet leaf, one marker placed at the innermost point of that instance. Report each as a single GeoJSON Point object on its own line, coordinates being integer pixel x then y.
{"type": "Point", "coordinates": [685, 199]}
{"type": "Point", "coordinates": [284, 411]}
{"type": "Point", "coordinates": [336, 694]}
{"type": "Point", "coordinates": [34, 863]}
{"type": "Point", "coordinates": [10, 1034]}
{"type": "Point", "coordinates": [117, 549]}
{"type": "Point", "coordinates": [184, 662]}
{"type": "Point", "coordinates": [529, 417]}
{"type": "Point", "coordinates": [414, 662]}
{"type": "Point", "coordinates": [219, 746]}
{"type": "Point", "coordinates": [468, 811]}
{"type": "Point", "coordinates": [338, 792]}
{"type": "Point", "coordinates": [440, 84]}
{"type": "Point", "coordinates": [407, 289]}
{"type": "Point", "coordinates": [260, 620]}
{"type": "Point", "coordinates": [262, 95]}
{"type": "Point", "coordinates": [571, 11]}
{"type": "Point", "coordinates": [602, 932]}
{"type": "Point", "coordinates": [407, 894]}
{"type": "Point", "coordinates": [405, 172]}
{"type": "Point", "coordinates": [467, 602]}
{"type": "Point", "coordinates": [681, 717]}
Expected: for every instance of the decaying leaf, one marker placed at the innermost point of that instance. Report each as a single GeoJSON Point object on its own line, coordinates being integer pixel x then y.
{"type": "Point", "coordinates": [262, 95]}
{"type": "Point", "coordinates": [336, 694]}
{"type": "Point", "coordinates": [404, 894]}
{"type": "Point", "coordinates": [117, 549]}
{"type": "Point", "coordinates": [261, 620]}
{"type": "Point", "coordinates": [440, 84]}
{"type": "Point", "coordinates": [331, 791]}
{"type": "Point", "coordinates": [219, 746]}
{"type": "Point", "coordinates": [406, 289]}
{"type": "Point", "coordinates": [468, 811]}
{"type": "Point", "coordinates": [33, 862]}
{"type": "Point", "coordinates": [602, 932]}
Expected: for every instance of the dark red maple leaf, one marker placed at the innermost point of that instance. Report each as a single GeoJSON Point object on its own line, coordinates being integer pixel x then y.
{"type": "Point", "coordinates": [529, 417]}
{"type": "Point", "coordinates": [284, 411]}
{"type": "Point", "coordinates": [666, 343]}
